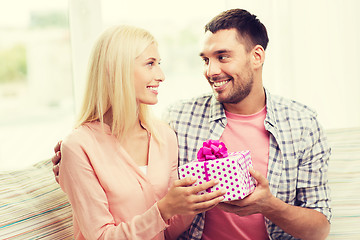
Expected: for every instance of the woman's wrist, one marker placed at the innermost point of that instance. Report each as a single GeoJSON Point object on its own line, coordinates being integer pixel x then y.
{"type": "Point", "coordinates": [164, 210]}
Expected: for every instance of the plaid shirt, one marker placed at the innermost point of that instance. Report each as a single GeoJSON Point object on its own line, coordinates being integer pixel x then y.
{"type": "Point", "coordinates": [298, 153]}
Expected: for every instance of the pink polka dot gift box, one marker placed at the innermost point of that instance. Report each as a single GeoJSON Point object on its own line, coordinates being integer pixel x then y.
{"type": "Point", "coordinates": [231, 169]}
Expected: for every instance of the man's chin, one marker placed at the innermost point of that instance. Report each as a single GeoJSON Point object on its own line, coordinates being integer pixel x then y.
{"type": "Point", "coordinates": [220, 97]}
{"type": "Point", "coordinates": [217, 97]}
{"type": "Point", "coordinates": [227, 101]}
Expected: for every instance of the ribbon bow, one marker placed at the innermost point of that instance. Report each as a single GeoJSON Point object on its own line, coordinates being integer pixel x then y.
{"type": "Point", "coordinates": [211, 150]}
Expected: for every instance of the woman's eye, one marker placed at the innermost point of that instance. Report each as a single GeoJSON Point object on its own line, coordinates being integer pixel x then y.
{"type": "Point", "coordinates": [150, 63]}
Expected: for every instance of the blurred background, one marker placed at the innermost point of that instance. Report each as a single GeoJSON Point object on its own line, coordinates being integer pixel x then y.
{"type": "Point", "coordinates": [312, 57]}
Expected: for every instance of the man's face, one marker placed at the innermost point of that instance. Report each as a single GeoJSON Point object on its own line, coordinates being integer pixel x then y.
{"type": "Point", "coordinates": [227, 66]}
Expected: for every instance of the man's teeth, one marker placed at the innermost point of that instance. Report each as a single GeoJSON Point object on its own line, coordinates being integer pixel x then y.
{"type": "Point", "coordinates": [220, 83]}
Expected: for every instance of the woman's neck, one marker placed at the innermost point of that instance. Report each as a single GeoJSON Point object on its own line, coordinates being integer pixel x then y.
{"type": "Point", "coordinates": [137, 127]}
{"type": "Point", "coordinates": [135, 141]}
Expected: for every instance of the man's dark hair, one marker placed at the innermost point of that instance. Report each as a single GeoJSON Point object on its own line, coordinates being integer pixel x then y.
{"type": "Point", "coordinates": [247, 25]}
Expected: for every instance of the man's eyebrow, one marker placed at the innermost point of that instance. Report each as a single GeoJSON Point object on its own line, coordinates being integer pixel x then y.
{"type": "Point", "coordinates": [221, 51]}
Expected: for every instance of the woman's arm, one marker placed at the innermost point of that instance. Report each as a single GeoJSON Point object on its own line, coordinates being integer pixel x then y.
{"type": "Point", "coordinates": [90, 205]}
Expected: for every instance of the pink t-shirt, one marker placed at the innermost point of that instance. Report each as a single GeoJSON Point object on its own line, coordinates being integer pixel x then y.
{"type": "Point", "coordinates": [242, 132]}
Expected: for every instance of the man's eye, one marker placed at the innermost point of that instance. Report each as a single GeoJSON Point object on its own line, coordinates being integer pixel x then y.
{"type": "Point", "coordinates": [223, 57]}
{"type": "Point", "coordinates": [205, 60]}
{"type": "Point", "coordinates": [150, 63]}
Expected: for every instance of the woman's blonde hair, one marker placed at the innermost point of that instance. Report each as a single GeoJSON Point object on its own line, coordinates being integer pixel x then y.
{"type": "Point", "coordinates": [110, 80]}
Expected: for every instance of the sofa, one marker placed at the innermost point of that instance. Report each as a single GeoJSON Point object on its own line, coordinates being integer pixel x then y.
{"type": "Point", "coordinates": [33, 206]}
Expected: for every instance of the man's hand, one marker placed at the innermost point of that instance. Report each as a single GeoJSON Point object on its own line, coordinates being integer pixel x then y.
{"type": "Point", "coordinates": [256, 202]}
{"type": "Point", "coordinates": [300, 222]}
{"type": "Point", "coordinates": [56, 160]}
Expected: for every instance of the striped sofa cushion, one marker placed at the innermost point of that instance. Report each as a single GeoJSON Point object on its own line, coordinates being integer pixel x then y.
{"type": "Point", "coordinates": [32, 205]}
{"type": "Point", "coordinates": [344, 180]}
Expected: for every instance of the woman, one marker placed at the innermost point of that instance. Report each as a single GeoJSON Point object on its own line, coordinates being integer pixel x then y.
{"type": "Point", "coordinates": [118, 166]}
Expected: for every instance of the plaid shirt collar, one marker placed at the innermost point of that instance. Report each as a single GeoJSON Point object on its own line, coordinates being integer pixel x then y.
{"type": "Point", "coordinates": [217, 111]}
{"type": "Point", "coordinates": [270, 116]}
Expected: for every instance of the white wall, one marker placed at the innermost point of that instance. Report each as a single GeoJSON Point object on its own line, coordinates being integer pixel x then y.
{"type": "Point", "coordinates": [312, 56]}
{"type": "Point", "coordinates": [85, 22]}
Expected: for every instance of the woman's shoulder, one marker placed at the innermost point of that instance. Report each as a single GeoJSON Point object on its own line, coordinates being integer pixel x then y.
{"type": "Point", "coordinates": [84, 134]}
{"type": "Point", "coordinates": [164, 129]}
{"type": "Point", "coordinates": [167, 137]}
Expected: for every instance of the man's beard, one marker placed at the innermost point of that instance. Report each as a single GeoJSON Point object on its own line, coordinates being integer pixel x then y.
{"type": "Point", "coordinates": [238, 93]}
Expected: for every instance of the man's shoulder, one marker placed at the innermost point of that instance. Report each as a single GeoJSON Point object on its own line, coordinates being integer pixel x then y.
{"type": "Point", "coordinates": [191, 104]}
{"type": "Point", "coordinates": [286, 106]}
{"type": "Point", "coordinates": [187, 111]}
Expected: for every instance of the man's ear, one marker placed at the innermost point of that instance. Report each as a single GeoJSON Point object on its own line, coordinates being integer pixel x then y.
{"type": "Point", "coordinates": [258, 56]}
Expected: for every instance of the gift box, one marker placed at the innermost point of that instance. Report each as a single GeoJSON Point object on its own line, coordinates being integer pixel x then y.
{"type": "Point", "coordinates": [231, 169]}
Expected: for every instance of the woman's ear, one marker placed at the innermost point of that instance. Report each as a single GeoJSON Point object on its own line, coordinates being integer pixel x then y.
{"type": "Point", "coordinates": [258, 56]}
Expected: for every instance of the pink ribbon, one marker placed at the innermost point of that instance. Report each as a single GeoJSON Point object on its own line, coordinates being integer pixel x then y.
{"type": "Point", "coordinates": [206, 175]}
{"type": "Point", "coordinates": [211, 150]}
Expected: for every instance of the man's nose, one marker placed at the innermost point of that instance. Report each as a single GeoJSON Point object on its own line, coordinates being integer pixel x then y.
{"type": "Point", "coordinates": [213, 69]}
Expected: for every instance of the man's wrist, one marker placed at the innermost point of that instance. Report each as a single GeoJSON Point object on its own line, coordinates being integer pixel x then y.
{"type": "Point", "coordinates": [273, 207]}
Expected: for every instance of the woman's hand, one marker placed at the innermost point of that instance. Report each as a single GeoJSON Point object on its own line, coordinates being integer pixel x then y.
{"type": "Point", "coordinates": [182, 198]}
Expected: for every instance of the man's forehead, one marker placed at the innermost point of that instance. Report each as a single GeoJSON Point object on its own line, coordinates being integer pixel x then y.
{"type": "Point", "coordinates": [220, 42]}
{"type": "Point", "coordinates": [220, 35]}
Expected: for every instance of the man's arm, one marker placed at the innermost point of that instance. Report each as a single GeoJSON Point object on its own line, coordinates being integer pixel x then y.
{"type": "Point", "coordinates": [300, 222]}
{"type": "Point", "coordinates": [56, 160]}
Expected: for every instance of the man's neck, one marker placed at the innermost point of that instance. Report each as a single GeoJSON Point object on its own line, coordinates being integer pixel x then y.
{"type": "Point", "coordinates": [253, 103]}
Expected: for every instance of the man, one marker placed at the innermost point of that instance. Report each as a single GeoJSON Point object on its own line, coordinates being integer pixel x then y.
{"type": "Point", "coordinates": [288, 147]}
{"type": "Point", "coordinates": [286, 142]}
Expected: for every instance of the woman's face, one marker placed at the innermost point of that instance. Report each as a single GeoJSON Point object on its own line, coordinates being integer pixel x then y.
{"type": "Point", "coordinates": [148, 75]}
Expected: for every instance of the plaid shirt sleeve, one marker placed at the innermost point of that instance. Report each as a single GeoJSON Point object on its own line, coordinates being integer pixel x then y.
{"type": "Point", "coordinates": [298, 159]}
{"type": "Point", "coordinates": [313, 190]}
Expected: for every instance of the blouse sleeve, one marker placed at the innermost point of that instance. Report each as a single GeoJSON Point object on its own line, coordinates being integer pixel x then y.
{"type": "Point", "coordinates": [89, 202]}
{"type": "Point", "coordinates": [178, 223]}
